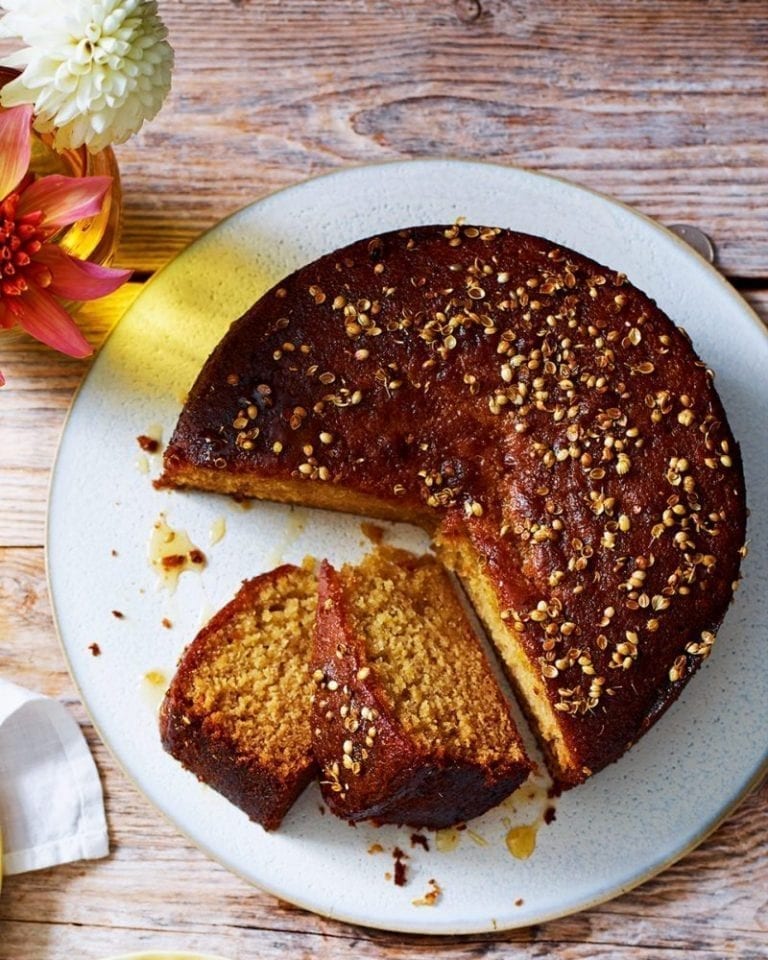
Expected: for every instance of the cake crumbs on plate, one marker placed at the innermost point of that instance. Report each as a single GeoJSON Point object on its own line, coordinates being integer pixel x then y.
{"type": "Point", "coordinates": [375, 848]}
{"type": "Point", "coordinates": [148, 444]}
{"type": "Point", "coordinates": [418, 839]}
{"type": "Point", "coordinates": [401, 868]}
{"type": "Point", "coordinates": [432, 897]}
{"type": "Point", "coordinates": [166, 623]}
{"type": "Point", "coordinates": [118, 615]}
{"type": "Point", "coordinates": [95, 649]}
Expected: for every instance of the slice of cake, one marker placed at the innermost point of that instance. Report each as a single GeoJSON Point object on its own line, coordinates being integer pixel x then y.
{"type": "Point", "coordinates": [409, 724]}
{"type": "Point", "coordinates": [236, 713]}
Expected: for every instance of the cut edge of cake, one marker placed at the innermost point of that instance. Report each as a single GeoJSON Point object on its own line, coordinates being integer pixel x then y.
{"type": "Point", "coordinates": [377, 763]}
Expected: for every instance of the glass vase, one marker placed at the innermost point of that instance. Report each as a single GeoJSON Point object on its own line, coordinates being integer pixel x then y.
{"type": "Point", "coordinates": [94, 238]}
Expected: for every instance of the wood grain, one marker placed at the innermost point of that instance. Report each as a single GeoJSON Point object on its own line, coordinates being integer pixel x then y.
{"type": "Point", "coordinates": [660, 104]}
{"type": "Point", "coordinates": [33, 406]}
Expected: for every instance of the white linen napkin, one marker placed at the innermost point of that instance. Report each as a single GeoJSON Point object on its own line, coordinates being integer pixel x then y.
{"type": "Point", "coordinates": [51, 804]}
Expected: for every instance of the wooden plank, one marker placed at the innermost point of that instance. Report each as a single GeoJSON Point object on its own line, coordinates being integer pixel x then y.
{"type": "Point", "coordinates": [659, 104]}
{"type": "Point", "coordinates": [29, 652]}
{"type": "Point", "coordinates": [34, 942]}
{"type": "Point", "coordinates": [662, 105]}
{"type": "Point", "coordinates": [672, 121]}
{"type": "Point", "coordinates": [33, 406]}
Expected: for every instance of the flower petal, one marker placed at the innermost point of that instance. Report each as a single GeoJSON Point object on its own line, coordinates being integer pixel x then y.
{"type": "Point", "coordinates": [15, 147]}
{"type": "Point", "coordinates": [63, 200]}
{"type": "Point", "coordinates": [76, 279]}
{"type": "Point", "coordinates": [47, 321]}
{"type": "Point", "coordinates": [16, 61]}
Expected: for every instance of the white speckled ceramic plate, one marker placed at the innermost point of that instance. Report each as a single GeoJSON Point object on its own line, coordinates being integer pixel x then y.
{"type": "Point", "coordinates": [618, 829]}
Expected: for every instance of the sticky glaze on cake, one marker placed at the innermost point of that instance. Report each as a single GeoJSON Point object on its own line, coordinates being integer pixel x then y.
{"type": "Point", "coordinates": [408, 722]}
{"type": "Point", "coordinates": [535, 412]}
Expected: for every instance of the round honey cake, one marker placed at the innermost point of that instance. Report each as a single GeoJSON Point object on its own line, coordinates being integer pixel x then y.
{"type": "Point", "coordinates": [540, 416]}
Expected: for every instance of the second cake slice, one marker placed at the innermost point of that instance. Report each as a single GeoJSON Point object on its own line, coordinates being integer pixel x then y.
{"type": "Point", "coordinates": [409, 724]}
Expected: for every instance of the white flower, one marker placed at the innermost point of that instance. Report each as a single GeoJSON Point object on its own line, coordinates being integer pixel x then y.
{"type": "Point", "coordinates": [94, 70]}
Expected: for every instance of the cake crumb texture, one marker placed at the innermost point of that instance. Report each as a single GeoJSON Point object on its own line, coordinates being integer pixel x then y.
{"type": "Point", "coordinates": [236, 713]}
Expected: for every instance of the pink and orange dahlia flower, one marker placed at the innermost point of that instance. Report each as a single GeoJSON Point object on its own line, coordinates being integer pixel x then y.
{"type": "Point", "coordinates": [34, 271]}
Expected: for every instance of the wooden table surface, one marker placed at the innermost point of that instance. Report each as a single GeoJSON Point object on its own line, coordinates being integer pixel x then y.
{"type": "Point", "coordinates": [663, 105]}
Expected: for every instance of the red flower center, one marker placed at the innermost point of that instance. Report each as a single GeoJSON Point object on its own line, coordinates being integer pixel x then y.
{"type": "Point", "coordinates": [20, 239]}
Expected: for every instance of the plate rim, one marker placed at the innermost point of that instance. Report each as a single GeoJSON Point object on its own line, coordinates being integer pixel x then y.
{"type": "Point", "coordinates": [490, 925]}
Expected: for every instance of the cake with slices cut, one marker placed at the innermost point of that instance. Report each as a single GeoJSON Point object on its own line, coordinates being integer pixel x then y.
{"type": "Point", "coordinates": [237, 711]}
{"type": "Point", "coordinates": [408, 722]}
{"type": "Point", "coordinates": [534, 411]}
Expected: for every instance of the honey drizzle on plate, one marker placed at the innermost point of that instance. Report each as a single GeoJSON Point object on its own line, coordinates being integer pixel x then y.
{"type": "Point", "coordinates": [171, 552]}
